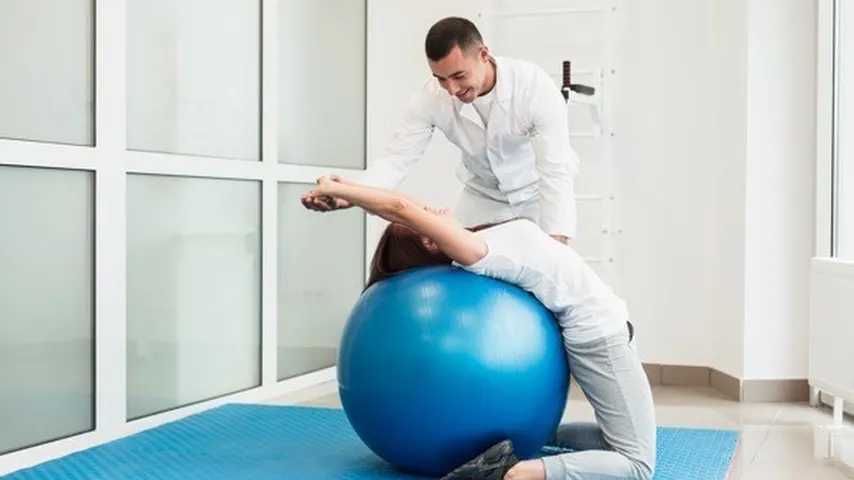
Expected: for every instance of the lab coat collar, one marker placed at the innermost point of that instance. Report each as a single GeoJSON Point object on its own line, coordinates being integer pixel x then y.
{"type": "Point", "coordinates": [502, 82]}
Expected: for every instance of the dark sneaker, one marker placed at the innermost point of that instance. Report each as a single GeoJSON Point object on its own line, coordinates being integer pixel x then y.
{"type": "Point", "coordinates": [489, 465]}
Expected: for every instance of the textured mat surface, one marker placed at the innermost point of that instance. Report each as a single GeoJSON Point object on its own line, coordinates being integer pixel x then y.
{"type": "Point", "coordinates": [273, 442]}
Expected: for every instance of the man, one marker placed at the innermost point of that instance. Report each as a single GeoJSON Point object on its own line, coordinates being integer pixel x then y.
{"type": "Point", "coordinates": [509, 120]}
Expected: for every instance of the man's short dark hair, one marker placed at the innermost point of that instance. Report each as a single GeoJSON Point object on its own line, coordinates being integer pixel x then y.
{"type": "Point", "coordinates": [449, 32]}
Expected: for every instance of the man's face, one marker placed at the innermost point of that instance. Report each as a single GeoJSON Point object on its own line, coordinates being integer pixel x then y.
{"type": "Point", "coordinates": [463, 74]}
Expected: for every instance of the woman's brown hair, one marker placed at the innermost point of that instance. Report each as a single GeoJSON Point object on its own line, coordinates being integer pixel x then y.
{"type": "Point", "coordinates": [401, 248]}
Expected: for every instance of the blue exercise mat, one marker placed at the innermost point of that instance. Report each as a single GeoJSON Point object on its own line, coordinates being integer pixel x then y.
{"type": "Point", "coordinates": [273, 442]}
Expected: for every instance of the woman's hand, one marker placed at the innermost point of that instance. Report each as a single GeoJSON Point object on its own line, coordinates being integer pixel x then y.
{"type": "Point", "coordinates": [323, 197]}
{"type": "Point", "coordinates": [326, 185]}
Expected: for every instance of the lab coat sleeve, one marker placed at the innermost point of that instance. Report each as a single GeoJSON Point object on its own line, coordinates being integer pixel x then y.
{"type": "Point", "coordinates": [406, 146]}
{"type": "Point", "coordinates": [556, 161]}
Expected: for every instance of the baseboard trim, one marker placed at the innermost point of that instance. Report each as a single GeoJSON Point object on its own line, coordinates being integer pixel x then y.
{"type": "Point", "coordinates": [730, 386]}
{"type": "Point", "coordinates": [783, 390]}
{"type": "Point", "coordinates": [790, 390]}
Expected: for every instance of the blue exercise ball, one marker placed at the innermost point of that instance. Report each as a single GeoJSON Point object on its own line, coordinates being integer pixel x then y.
{"type": "Point", "coordinates": [437, 364]}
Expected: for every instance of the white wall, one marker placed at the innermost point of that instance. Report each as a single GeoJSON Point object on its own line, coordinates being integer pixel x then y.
{"type": "Point", "coordinates": [716, 143]}
{"type": "Point", "coordinates": [780, 186]}
{"type": "Point", "coordinates": [680, 161]}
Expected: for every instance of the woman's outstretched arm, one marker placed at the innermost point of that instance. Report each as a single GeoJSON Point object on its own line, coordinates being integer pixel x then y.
{"type": "Point", "coordinates": [455, 241]}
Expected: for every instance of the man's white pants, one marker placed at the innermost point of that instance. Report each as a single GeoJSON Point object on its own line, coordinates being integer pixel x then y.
{"type": "Point", "coordinates": [474, 208]}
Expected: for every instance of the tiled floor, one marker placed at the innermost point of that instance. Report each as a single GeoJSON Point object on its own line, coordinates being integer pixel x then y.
{"type": "Point", "coordinates": [776, 443]}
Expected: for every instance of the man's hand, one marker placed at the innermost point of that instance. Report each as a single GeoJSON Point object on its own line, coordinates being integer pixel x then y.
{"type": "Point", "coordinates": [323, 203]}
{"type": "Point", "coordinates": [320, 200]}
{"type": "Point", "coordinates": [561, 238]}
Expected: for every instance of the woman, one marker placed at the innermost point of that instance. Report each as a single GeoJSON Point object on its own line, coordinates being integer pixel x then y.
{"type": "Point", "coordinates": [593, 320]}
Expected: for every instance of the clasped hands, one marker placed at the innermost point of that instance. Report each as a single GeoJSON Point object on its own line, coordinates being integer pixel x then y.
{"type": "Point", "coordinates": [322, 198]}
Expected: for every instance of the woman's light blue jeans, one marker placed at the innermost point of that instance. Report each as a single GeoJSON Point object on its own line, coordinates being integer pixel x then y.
{"type": "Point", "coordinates": [621, 444]}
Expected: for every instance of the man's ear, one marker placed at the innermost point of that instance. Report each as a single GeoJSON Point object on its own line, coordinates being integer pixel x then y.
{"type": "Point", "coordinates": [484, 53]}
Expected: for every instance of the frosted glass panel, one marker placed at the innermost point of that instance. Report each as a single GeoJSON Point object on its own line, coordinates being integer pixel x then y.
{"type": "Point", "coordinates": [47, 70]}
{"type": "Point", "coordinates": [844, 214]}
{"type": "Point", "coordinates": [194, 290]}
{"type": "Point", "coordinates": [321, 272]}
{"type": "Point", "coordinates": [322, 82]}
{"type": "Point", "coordinates": [193, 77]}
{"type": "Point", "coordinates": [46, 307]}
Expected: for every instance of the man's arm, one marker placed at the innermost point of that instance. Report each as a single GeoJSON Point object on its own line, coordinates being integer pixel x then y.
{"type": "Point", "coordinates": [406, 147]}
{"type": "Point", "coordinates": [557, 162]}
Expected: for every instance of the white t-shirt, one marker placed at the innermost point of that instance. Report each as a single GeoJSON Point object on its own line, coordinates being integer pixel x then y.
{"type": "Point", "coordinates": [483, 105]}
{"type": "Point", "coordinates": [521, 253]}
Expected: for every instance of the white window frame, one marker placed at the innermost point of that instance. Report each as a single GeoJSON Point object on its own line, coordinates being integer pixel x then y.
{"type": "Point", "coordinates": [111, 162]}
{"type": "Point", "coordinates": [826, 119]}
{"type": "Point", "coordinates": [830, 276]}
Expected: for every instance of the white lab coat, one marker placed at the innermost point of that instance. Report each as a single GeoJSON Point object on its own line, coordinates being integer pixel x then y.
{"type": "Point", "coordinates": [522, 158]}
